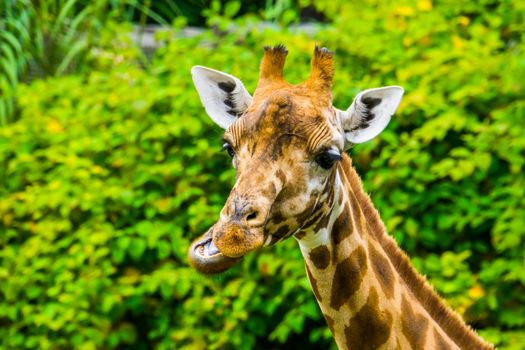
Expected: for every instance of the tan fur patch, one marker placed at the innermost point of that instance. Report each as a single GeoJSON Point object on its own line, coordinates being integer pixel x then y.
{"type": "Point", "coordinates": [439, 342]}
{"type": "Point", "coordinates": [413, 325]}
{"type": "Point", "coordinates": [383, 271]}
{"type": "Point", "coordinates": [313, 283]}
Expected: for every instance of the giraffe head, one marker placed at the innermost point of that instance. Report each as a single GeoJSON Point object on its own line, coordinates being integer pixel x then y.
{"type": "Point", "coordinates": [285, 142]}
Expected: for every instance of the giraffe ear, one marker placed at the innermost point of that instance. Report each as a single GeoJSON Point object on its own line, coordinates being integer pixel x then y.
{"type": "Point", "coordinates": [224, 96]}
{"type": "Point", "coordinates": [370, 113]}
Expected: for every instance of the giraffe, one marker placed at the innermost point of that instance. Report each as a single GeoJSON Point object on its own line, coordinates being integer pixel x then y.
{"type": "Point", "coordinates": [288, 145]}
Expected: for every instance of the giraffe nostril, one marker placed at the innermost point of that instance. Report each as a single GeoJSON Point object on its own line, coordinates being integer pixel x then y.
{"type": "Point", "coordinates": [252, 216]}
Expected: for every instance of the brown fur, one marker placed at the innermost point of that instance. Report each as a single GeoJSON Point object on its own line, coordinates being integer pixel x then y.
{"type": "Point", "coordinates": [370, 327]}
{"type": "Point", "coordinates": [383, 270]}
{"type": "Point", "coordinates": [320, 256]}
{"type": "Point", "coordinates": [348, 277]}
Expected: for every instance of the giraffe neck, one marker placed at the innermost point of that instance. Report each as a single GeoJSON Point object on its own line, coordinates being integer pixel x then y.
{"type": "Point", "coordinates": [369, 293]}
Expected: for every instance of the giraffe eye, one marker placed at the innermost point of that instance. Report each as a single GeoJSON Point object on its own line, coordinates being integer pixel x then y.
{"type": "Point", "coordinates": [326, 159]}
{"type": "Point", "coordinates": [228, 148]}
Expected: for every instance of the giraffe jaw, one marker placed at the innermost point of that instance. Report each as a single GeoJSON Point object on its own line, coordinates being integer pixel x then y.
{"type": "Point", "coordinates": [206, 258]}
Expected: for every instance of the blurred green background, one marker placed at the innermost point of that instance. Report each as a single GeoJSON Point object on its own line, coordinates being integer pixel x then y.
{"type": "Point", "coordinates": [109, 165]}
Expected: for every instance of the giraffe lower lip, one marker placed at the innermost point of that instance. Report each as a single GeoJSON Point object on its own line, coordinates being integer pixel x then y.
{"type": "Point", "coordinates": [206, 258]}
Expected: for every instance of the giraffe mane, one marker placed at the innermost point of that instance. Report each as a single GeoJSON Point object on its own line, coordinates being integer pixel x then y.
{"type": "Point", "coordinates": [451, 323]}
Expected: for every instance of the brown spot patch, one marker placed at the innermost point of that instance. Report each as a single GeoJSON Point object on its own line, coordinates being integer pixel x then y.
{"type": "Point", "coordinates": [370, 327]}
{"type": "Point", "coordinates": [316, 216]}
{"type": "Point", "coordinates": [320, 256]}
{"type": "Point", "coordinates": [277, 218]}
{"type": "Point", "coordinates": [279, 145]}
{"type": "Point", "coordinates": [254, 145]}
{"type": "Point", "coordinates": [300, 234]}
{"type": "Point", "coordinates": [323, 223]}
{"type": "Point", "coordinates": [348, 276]}
{"type": "Point", "coordinates": [274, 240]}
{"type": "Point", "coordinates": [383, 270]}
{"type": "Point", "coordinates": [281, 176]}
{"type": "Point", "coordinates": [283, 231]}
{"type": "Point", "coordinates": [329, 190]}
{"type": "Point", "coordinates": [342, 226]}
{"type": "Point", "coordinates": [270, 191]}
{"type": "Point", "coordinates": [414, 326]}
{"type": "Point", "coordinates": [313, 283]}
{"type": "Point", "coordinates": [330, 198]}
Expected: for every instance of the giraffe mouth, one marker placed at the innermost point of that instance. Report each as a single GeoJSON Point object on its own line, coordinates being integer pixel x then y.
{"type": "Point", "coordinates": [206, 258]}
{"type": "Point", "coordinates": [207, 248]}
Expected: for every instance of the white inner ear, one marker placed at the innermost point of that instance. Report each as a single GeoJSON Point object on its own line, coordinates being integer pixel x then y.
{"type": "Point", "coordinates": [370, 113]}
{"type": "Point", "coordinates": [224, 96]}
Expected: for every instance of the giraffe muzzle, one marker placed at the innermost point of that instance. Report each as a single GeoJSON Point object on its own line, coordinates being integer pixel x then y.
{"type": "Point", "coordinates": [223, 245]}
{"type": "Point", "coordinates": [234, 239]}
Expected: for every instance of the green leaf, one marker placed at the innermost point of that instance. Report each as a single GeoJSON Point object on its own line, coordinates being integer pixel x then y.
{"type": "Point", "coordinates": [232, 8]}
{"type": "Point", "coordinates": [136, 248]}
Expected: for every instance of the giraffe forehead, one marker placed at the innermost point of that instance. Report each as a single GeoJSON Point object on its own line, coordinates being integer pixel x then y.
{"type": "Point", "coordinates": [286, 118]}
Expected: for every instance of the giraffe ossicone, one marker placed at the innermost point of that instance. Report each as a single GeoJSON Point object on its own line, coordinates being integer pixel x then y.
{"type": "Point", "coordinates": [287, 144]}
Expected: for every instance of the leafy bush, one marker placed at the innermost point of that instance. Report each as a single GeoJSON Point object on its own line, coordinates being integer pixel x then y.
{"type": "Point", "coordinates": [54, 37]}
{"type": "Point", "coordinates": [106, 177]}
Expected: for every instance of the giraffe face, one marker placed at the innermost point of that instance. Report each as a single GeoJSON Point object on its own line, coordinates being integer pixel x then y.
{"type": "Point", "coordinates": [285, 143]}
{"type": "Point", "coordinates": [284, 149]}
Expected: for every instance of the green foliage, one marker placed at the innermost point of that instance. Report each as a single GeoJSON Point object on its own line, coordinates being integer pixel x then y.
{"type": "Point", "coordinates": [54, 37]}
{"type": "Point", "coordinates": [106, 177]}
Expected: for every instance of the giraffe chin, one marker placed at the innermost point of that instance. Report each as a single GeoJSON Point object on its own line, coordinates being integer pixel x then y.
{"type": "Point", "coordinates": [206, 258]}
